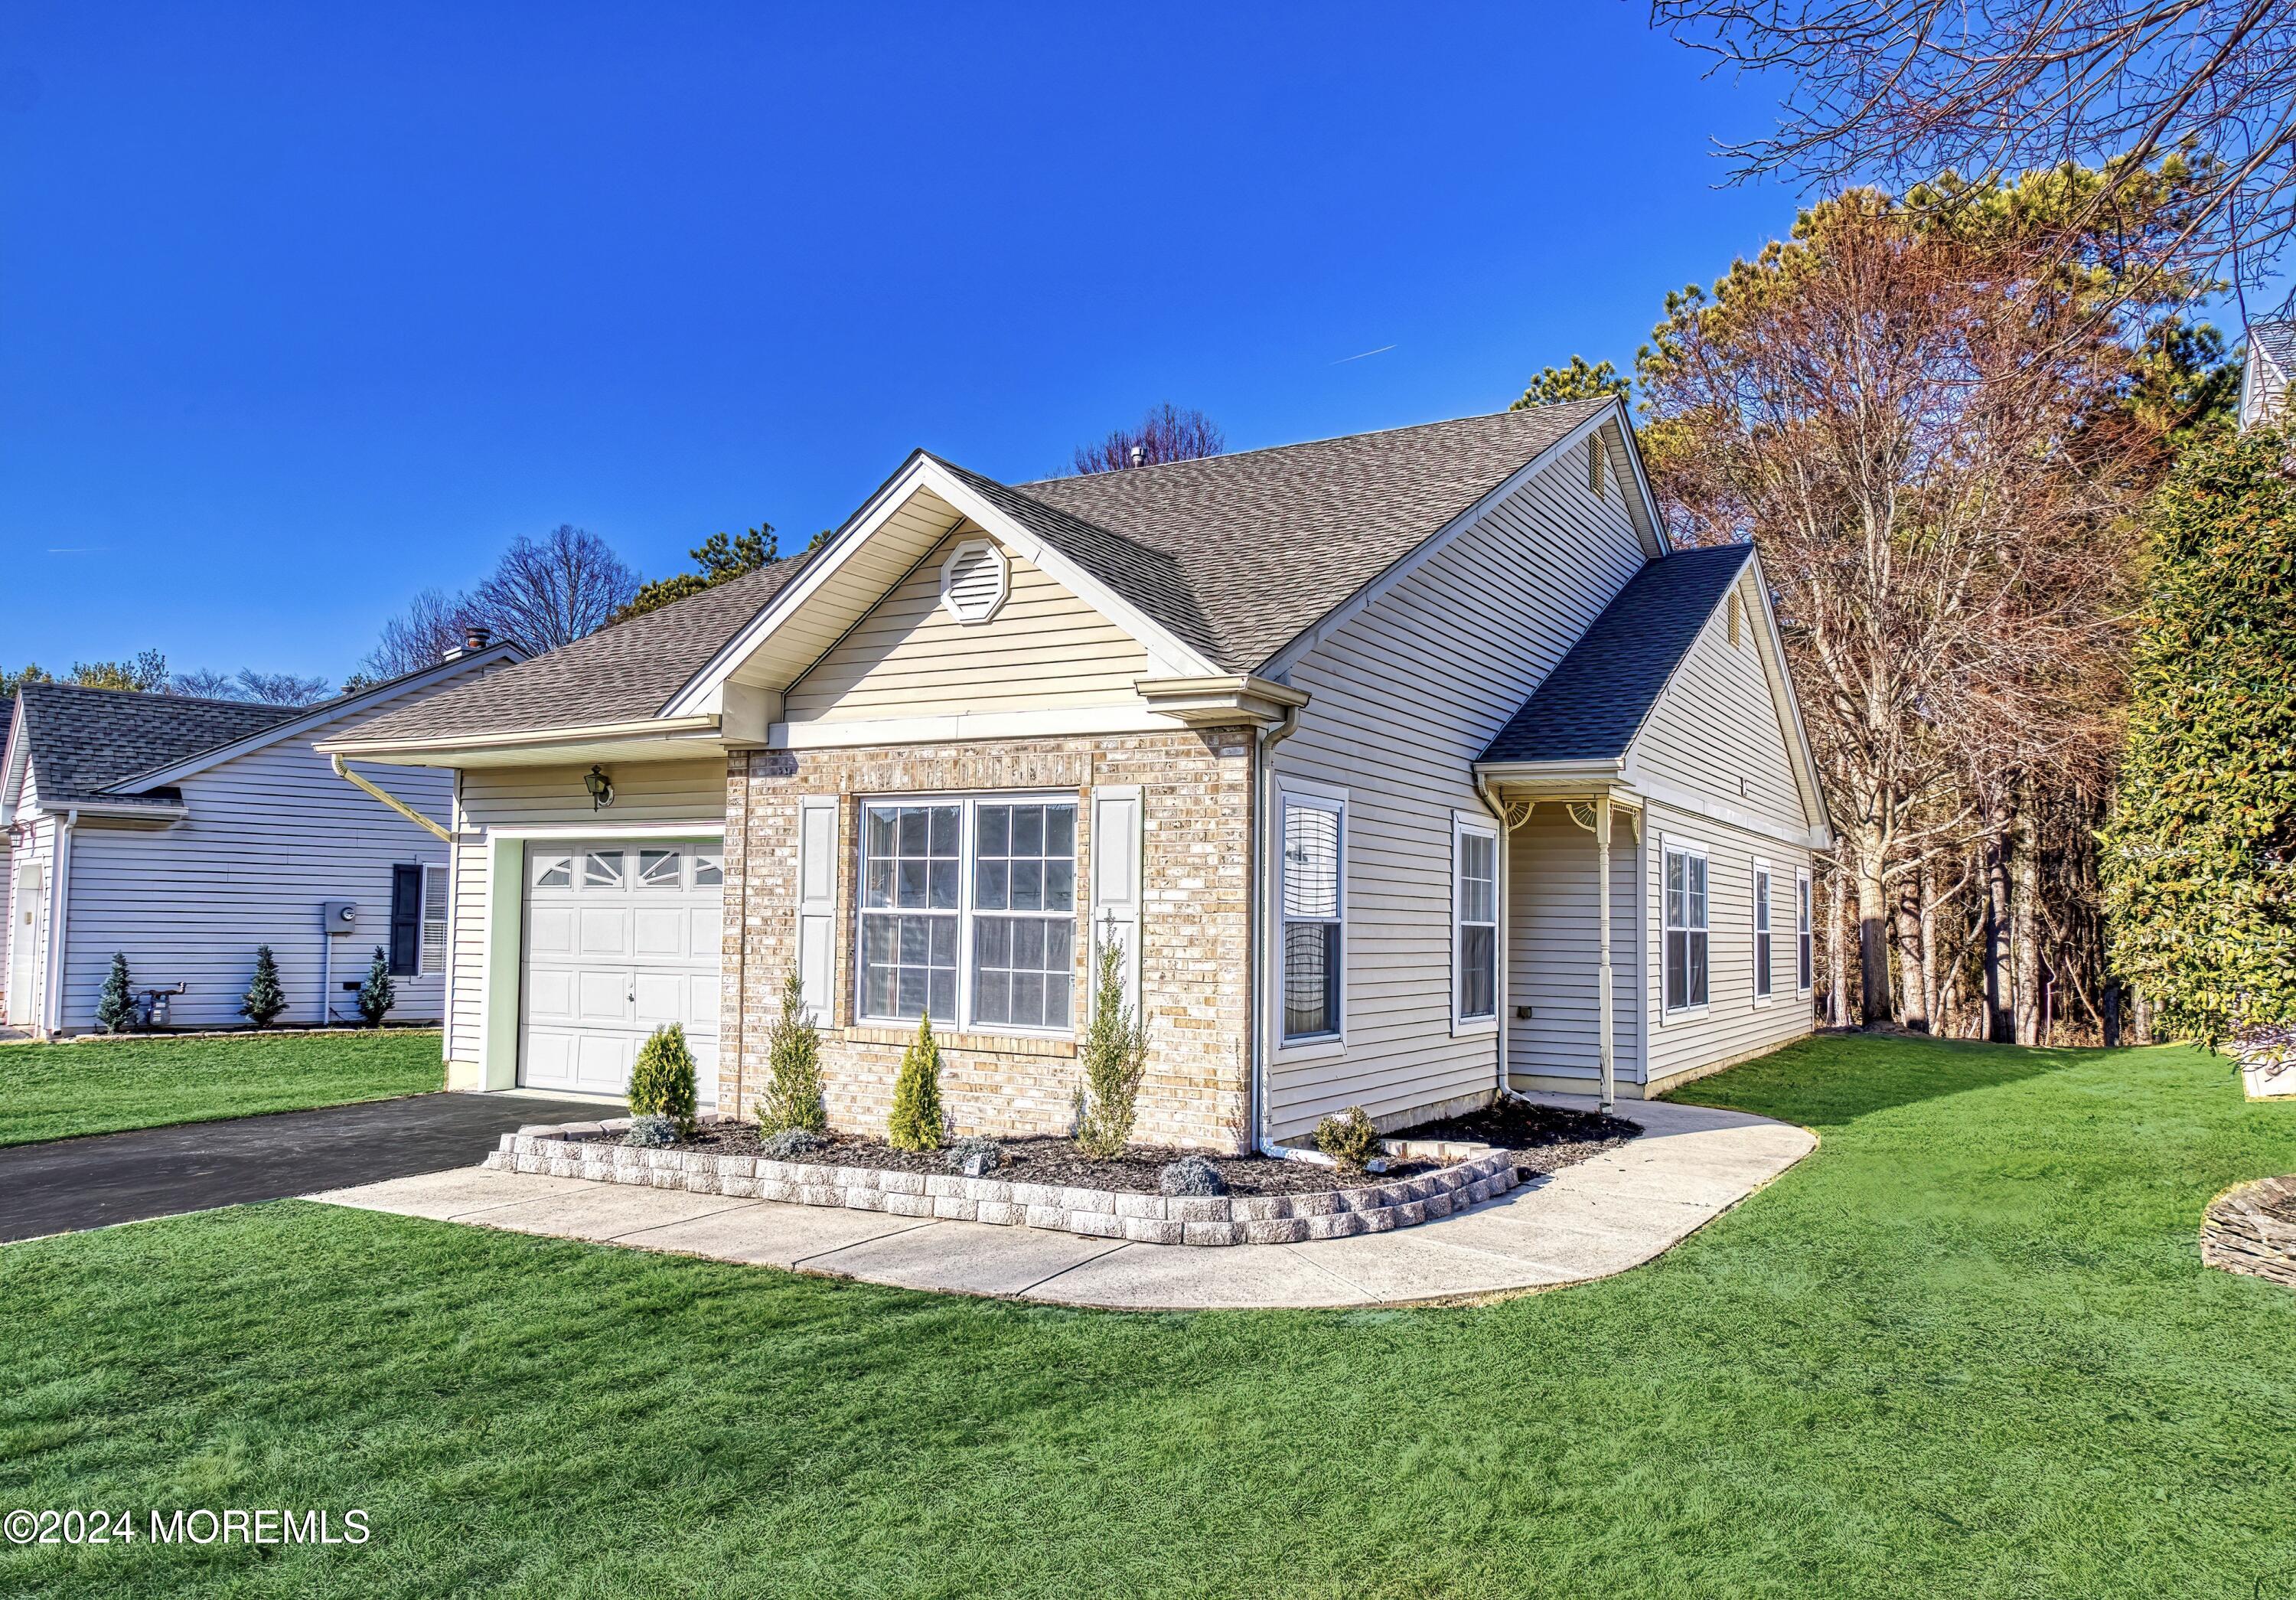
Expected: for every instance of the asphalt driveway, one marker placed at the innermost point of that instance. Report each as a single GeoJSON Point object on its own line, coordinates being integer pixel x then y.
{"type": "Point", "coordinates": [71, 1184]}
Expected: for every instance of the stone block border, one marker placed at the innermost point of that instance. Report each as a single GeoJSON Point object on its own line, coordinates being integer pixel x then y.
{"type": "Point", "coordinates": [2240, 1233]}
{"type": "Point", "coordinates": [574, 1150]}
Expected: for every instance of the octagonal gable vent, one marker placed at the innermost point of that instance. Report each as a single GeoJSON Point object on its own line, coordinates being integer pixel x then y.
{"type": "Point", "coordinates": [975, 580]}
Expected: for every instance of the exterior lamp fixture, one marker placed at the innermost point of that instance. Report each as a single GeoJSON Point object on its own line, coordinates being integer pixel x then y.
{"type": "Point", "coordinates": [601, 788]}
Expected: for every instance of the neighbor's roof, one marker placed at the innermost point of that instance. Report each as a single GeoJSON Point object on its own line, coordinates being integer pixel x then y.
{"type": "Point", "coordinates": [2277, 341]}
{"type": "Point", "coordinates": [1594, 701]}
{"type": "Point", "coordinates": [1240, 555]}
{"type": "Point", "coordinates": [1235, 555]}
{"type": "Point", "coordinates": [620, 674]}
{"type": "Point", "coordinates": [83, 741]}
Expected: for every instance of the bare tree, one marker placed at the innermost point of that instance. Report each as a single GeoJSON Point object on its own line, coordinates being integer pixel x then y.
{"type": "Point", "coordinates": [1902, 89]}
{"type": "Point", "coordinates": [1165, 433]}
{"type": "Point", "coordinates": [552, 591]}
{"type": "Point", "coordinates": [434, 623]}
{"type": "Point", "coordinates": [268, 688]}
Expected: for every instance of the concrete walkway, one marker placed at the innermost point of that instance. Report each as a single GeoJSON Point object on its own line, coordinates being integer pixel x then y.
{"type": "Point", "coordinates": [1588, 1221]}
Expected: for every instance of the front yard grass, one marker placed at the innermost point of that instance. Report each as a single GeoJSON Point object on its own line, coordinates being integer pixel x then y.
{"type": "Point", "coordinates": [1966, 1348]}
{"type": "Point", "coordinates": [106, 1085]}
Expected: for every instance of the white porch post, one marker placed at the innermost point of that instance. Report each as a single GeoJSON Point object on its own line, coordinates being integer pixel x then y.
{"type": "Point", "coordinates": [1603, 917]}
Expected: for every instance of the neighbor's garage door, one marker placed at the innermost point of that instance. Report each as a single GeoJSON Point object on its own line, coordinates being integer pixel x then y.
{"type": "Point", "coordinates": [621, 939]}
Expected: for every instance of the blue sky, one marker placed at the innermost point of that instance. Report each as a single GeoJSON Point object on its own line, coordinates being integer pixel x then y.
{"type": "Point", "coordinates": [305, 307]}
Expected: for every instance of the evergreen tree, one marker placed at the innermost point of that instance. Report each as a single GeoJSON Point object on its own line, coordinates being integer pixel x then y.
{"type": "Point", "coordinates": [115, 1007]}
{"type": "Point", "coordinates": [1577, 382]}
{"type": "Point", "coordinates": [793, 1066]}
{"type": "Point", "coordinates": [1115, 1051]}
{"type": "Point", "coordinates": [265, 1000]}
{"type": "Point", "coordinates": [915, 1122]}
{"type": "Point", "coordinates": [662, 1080]}
{"type": "Point", "coordinates": [2200, 859]}
{"type": "Point", "coordinates": [377, 995]}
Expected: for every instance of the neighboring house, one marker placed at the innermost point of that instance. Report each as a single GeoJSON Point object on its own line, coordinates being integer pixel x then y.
{"type": "Point", "coordinates": [184, 833]}
{"type": "Point", "coordinates": [7, 838]}
{"type": "Point", "coordinates": [2265, 372]}
{"type": "Point", "coordinates": [1330, 738]}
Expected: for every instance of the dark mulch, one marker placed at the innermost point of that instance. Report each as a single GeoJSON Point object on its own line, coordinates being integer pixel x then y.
{"type": "Point", "coordinates": [1545, 1139]}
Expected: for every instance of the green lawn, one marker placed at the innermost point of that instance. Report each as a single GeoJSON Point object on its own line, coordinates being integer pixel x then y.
{"type": "Point", "coordinates": [102, 1086]}
{"type": "Point", "coordinates": [1965, 1348]}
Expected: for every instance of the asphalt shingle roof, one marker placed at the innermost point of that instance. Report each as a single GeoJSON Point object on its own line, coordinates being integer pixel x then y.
{"type": "Point", "coordinates": [621, 674]}
{"type": "Point", "coordinates": [83, 741]}
{"type": "Point", "coordinates": [1594, 701]}
{"type": "Point", "coordinates": [2276, 340]}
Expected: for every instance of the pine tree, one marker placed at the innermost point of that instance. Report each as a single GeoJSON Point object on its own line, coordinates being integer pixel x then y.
{"type": "Point", "coordinates": [1115, 1051]}
{"type": "Point", "coordinates": [662, 1080]}
{"type": "Point", "coordinates": [377, 995]}
{"type": "Point", "coordinates": [793, 1065]}
{"type": "Point", "coordinates": [115, 1008]}
{"type": "Point", "coordinates": [265, 1000]}
{"type": "Point", "coordinates": [915, 1122]}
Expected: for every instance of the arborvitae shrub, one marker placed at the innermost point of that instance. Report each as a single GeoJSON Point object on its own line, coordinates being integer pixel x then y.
{"type": "Point", "coordinates": [915, 1123]}
{"type": "Point", "coordinates": [661, 1080]}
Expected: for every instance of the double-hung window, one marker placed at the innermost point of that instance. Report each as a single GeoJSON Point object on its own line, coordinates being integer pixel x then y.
{"type": "Point", "coordinates": [1475, 911]}
{"type": "Point", "coordinates": [967, 912]}
{"type": "Point", "coordinates": [1685, 929]}
{"type": "Point", "coordinates": [1801, 932]}
{"type": "Point", "coordinates": [1315, 842]}
{"type": "Point", "coordinates": [1762, 944]}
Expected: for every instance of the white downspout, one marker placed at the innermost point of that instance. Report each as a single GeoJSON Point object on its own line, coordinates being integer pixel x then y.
{"type": "Point", "coordinates": [1266, 842]}
{"type": "Point", "coordinates": [59, 903]}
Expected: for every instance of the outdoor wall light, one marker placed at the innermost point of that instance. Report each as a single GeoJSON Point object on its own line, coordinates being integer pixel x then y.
{"type": "Point", "coordinates": [601, 788]}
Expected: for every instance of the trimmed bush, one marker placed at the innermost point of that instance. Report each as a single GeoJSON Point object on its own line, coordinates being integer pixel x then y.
{"type": "Point", "coordinates": [793, 1068]}
{"type": "Point", "coordinates": [265, 1000]}
{"type": "Point", "coordinates": [915, 1122]}
{"type": "Point", "coordinates": [974, 1156]}
{"type": "Point", "coordinates": [1191, 1175]}
{"type": "Point", "coordinates": [1349, 1138]}
{"type": "Point", "coordinates": [378, 994]}
{"type": "Point", "coordinates": [115, 1007]}
{"type": "Point", "coordinates": [662, 1081]}
{"type": "Point", "coordinates": [1115, 1051]}
{"type": "Point", "coordinates": [792, 1145]}
{"type": "Point", "coordinates": [653, 1133]}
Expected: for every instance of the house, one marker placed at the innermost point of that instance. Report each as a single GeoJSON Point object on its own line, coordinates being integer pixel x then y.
{"type": "Point", "coordinates": [1335, 740]}
{"type": "Point", "coordinates": [2265, 372]}
{"type": "Point", "coordinates": [184, 833]}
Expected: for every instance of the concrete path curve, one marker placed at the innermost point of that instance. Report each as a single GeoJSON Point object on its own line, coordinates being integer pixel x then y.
{"type": "Point", "coordinates": [1588, 1221]}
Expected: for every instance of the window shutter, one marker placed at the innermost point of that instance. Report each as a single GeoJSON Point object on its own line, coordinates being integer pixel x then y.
{"type": "Point", "coordinates": [405, 920]}
{"type": "Point", "coordinates": [817, 902]}
{"type": "Point", "coordinates": [1116, 848]}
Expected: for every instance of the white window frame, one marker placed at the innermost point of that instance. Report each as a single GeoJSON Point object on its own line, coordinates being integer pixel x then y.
{"type": "Point", "coordinates": [1289, 794]}
{"type": "Point", "coordinates": [968, 803]}
{"type": "Point", "coordinates": [1463, 825]}
{"type": "Point", "coordinates": [1761, 907]}
{"type": "Point", "coordinates": [1668, 1012]}
{"type": "Point", "coordinates": [1805, 950]}
{"type": "Point", "coordinates": [427, 964]}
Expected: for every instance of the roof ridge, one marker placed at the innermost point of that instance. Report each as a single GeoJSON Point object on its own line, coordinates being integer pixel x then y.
{"type": "Point", "coordinates": [1305, 443]}
{"type": "Point", "coordinates": [163, 695]}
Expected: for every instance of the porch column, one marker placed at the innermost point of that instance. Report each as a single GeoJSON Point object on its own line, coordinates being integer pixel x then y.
{"type": "Point", "coordinates": [1602, 918]}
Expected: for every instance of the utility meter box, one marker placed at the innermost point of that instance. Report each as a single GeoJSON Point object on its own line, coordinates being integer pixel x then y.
{"type": "Point", "coordinates": [339, 916]}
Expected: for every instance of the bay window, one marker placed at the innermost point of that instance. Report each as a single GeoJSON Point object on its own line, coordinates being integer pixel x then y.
{"type": "Point", "coordinates": [1315, 835]}
{"type": "Point", "coordinates": [967, 912]}
{"type": "Point", "coordinates": [1685, 928]}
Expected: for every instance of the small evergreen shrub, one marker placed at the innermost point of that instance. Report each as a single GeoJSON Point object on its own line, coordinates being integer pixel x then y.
{"type": "Point", "coordinates": [974, 1156]}
{"type": "Point", "coordinates": [115, 1007]}
{"type": "Point", "coordinates": [915, 1122]}
{"type": "Point", "coordinates": [378, 994]}
{"type": "Point", "coordinates": [1191, 1174]}
{"type": "Point", "coordinates": [1115, 1051]}
{"type": "Point", "coordinates": [661, 1080]}
{"type": "Point", "coordinates": [653, 1133]}
{"type": "Point", "coordinates": [792, 1145]}
{"type": "Point", "coordinates": [265, 1000]}
{"type": "Point", "coordinates": [793, 1068]}
{"type": "Point", "coordinates": [1349, 1138]}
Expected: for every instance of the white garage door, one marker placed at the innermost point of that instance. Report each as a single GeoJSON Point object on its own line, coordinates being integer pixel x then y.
{"type": "Point", "coordinates": [621, 939]}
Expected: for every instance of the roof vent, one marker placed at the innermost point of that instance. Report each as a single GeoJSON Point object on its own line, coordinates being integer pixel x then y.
{"type": "Point", "coordinates": [477, 638]}
{"type": "Point", "coordinates": [974, 581]}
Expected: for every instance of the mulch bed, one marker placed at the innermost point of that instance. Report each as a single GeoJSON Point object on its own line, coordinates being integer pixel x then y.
{"type": "Point", "coordinates": [1547, 1137]}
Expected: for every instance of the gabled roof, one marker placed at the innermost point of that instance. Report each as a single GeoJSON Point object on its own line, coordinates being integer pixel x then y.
{"type": "Point", "coordinates": [1597, 698]}
{"type": "Point", "coordinates": [616, 675]}
{"type": "Point", "coordinates": [83, 741]}
{"type": "Point", "coordinates": [2277, 341]}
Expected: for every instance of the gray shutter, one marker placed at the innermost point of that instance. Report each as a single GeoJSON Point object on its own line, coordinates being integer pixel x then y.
{"type": "Point", "coordinates": [1116, 846]}
{"type": "Point", "coordinates": [817, 902]}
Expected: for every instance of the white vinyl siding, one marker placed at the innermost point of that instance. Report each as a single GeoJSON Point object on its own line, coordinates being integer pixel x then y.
{"type": "Point", "coordinates": [1405, 695]}
{"type": "Point", "coordinates": [1554, 939]}
{"type": "Point", "coordinates": [1716, 730]}
{"type": "Point", "coordinates": [270, 834]}
{"type": "Point", "coordinates": [644, 792]}
{"type": "Point", "coordinates": [910, 656]}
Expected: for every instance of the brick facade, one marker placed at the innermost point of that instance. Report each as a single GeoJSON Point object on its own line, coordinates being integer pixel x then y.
{"type": "Point", "coordinates": [1195, 933]}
